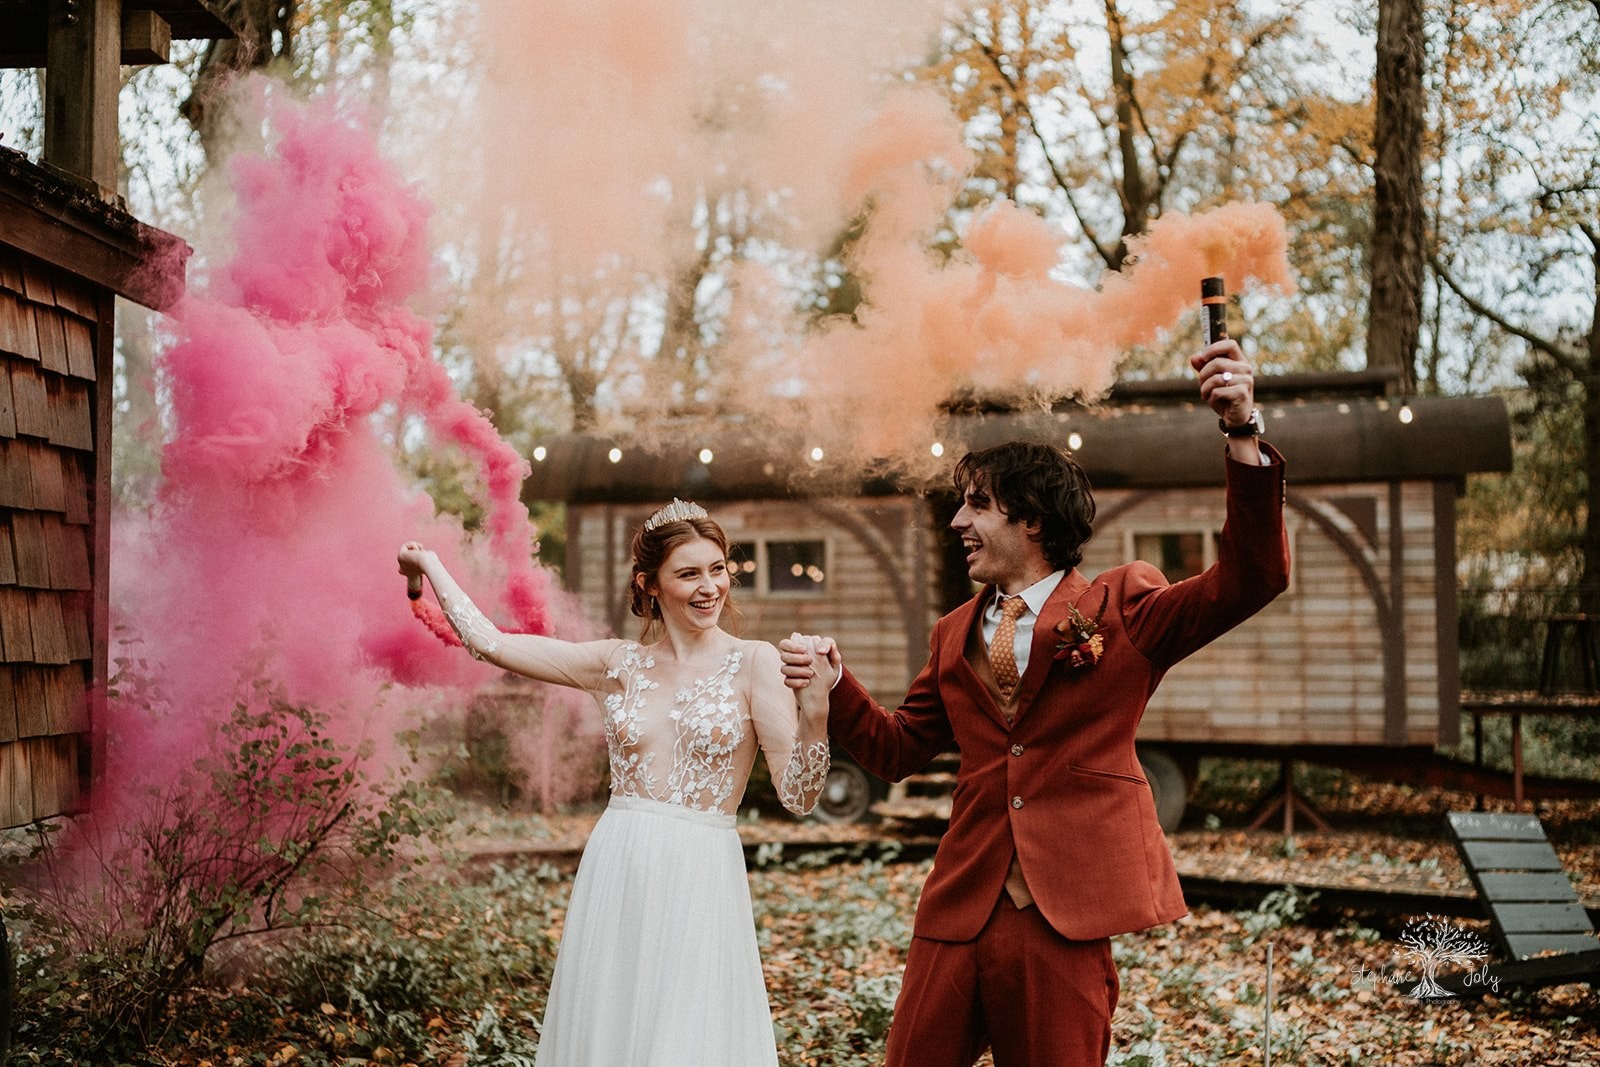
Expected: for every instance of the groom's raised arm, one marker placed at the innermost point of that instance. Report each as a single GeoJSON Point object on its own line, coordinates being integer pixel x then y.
{"type": "Point", "coordinates": [890, 744]}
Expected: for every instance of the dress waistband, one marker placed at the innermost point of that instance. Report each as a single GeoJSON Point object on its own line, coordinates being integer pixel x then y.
{"type": "Point", "coordinates": [674, 811]}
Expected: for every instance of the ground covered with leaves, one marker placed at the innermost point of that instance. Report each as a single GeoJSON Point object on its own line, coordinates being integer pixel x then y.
{"type": "Point", "coordinates": [452, 969]}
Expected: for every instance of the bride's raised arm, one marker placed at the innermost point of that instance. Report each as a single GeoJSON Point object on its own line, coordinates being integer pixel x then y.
{"type": "Point", "coordinates": [793, 732]}
{"type": "Point", "coordinates": [581, 665]}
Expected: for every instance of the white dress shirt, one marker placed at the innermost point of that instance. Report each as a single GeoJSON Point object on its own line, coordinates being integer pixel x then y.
{"type": "Point", "coordinates": [1034, 596]}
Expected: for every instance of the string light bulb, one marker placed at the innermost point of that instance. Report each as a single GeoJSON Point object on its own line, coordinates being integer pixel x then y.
{"type": "Point", "coordinates": [1074, 440]}
{"type": "Point", "coordinates": [937, 449]}
{"type": "Point", "coordinates": [706, 455]}
{"type": "Point", "coordinates": [615, 455]}
{"type": "Point", "coordinates": [1405, 413]}
{"type": "Point", "coordinates": [816, 455]}
{"type": "Point", "coordinates": [539, 453]}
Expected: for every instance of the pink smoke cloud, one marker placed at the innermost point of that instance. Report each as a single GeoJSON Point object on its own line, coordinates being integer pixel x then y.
{"type": "Point", "coordinates": [292, 376]}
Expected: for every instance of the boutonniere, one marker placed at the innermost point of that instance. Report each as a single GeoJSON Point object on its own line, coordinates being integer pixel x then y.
{"type": "Point", "coordinates": [1081, 643]}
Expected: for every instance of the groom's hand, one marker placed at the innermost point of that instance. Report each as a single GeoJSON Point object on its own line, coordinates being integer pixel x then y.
{"type": "Point", "coordinates": [797, 652]}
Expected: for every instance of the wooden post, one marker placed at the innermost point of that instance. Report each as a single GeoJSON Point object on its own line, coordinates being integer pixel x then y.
{"type": "Point", "coordinates": [146, 38]}
{"type": "Point", "coordinates": [82, 80]}
{"type": "Point", "coordinates": [1516, 761]}
{"type": "Point", "coordinates": [1266, 1049]}
{"type": "Point", "coordinates": [1286, 773]}
{"type": "Point", "coordinates": [1477, 750]}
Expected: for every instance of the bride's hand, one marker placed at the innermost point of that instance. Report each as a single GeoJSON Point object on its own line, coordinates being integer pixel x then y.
{"type": "Point", "coordinates": [825, 660]}
{"type": "Point", "coordinates": [413, 559]}
{"type": "Point", "coordinates": [818, 660]}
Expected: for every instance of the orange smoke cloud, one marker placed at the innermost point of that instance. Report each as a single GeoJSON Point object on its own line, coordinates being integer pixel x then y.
{"type": "Point", "coordinates": [995, 321]}
{"type": "Point", "coordinates": [611, 123]}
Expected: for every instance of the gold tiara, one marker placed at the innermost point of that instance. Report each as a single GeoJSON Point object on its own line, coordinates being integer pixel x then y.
{"type": "Point", "coordinates": [677, 511]}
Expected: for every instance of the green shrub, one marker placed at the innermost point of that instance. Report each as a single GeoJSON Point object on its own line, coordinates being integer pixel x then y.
{"type": "Point", "coordinates": [430, 949]}
{"type": "Point", "coordinates": [268, 828]}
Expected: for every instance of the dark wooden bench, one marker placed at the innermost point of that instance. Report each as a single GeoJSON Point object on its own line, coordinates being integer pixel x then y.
{"type": "Point", "coordinates": [1539, 922]}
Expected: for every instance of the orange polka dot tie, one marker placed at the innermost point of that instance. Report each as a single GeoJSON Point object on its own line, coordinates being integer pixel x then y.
{"type": "Point", "coordinates": [1003, 649]}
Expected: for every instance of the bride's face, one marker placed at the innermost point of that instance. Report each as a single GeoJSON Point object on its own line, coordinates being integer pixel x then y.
{"type": "Point", "coordinates": [692, 585]}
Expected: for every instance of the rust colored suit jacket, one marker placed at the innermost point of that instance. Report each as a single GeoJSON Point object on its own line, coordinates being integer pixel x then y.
{"type": "Point", "coordinates": [1059, 787]}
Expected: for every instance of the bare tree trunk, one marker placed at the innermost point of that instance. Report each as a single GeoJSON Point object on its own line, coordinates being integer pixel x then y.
{"type": "Point", "coordinates": [1134, 193]}
{"type": "Point", "coordinates": [1010, 136]}
{"type": "Point", "coordinates": [1589, 588]}
{"type": "Point", "coordinates": [1394, 321]}
{"type": "Point", "coordinates": [266, 32]}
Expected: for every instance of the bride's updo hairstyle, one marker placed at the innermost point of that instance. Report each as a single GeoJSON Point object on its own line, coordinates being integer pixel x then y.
{"type": "Point", "coordinates": [676, 524]}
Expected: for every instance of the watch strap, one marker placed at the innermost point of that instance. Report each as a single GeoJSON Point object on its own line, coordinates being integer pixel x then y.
{"type": "Point", "coordinates": [1251, 427]}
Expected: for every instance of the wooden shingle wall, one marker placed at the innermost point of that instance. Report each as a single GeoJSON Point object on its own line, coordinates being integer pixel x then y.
{"type": "Point", "coordinates": [49, 326]}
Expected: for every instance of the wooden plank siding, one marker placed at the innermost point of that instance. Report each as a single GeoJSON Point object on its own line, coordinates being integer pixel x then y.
{"type": "Point", "coordinates": [1320, 665]}
{"type": "Point", "coordinates": [1312, 667]}
{"type": "Point", "coordinates": [53, 333]}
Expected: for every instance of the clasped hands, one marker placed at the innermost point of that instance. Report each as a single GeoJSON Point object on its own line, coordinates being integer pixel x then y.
{"type": "Point", "coordinates": [808, 658]}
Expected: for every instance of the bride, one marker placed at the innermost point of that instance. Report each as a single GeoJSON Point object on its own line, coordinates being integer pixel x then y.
{"type": "Point", "coordinates": [658, 965]}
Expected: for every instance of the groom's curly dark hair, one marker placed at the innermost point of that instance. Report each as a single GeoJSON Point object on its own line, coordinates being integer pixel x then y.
{"type": "Point", "coordinates": [1035, 481]}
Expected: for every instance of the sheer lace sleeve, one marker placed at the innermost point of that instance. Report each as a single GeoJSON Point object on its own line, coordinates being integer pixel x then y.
{"type": "Point", "coordinates": [581, 665]}
{"type": "Point", "coordinates": [480, 636]}
{"type": "Point", "coordinates": [796, 744]}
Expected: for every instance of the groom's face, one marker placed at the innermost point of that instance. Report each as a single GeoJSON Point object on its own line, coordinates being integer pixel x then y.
{"type": "Point", "coordinates": [999, 551]}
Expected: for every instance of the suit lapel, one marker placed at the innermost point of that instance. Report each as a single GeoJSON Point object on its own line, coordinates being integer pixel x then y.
{"type": "Point", "coordinates": [1041, 652]}
{"type": "Point", "coordinates": [963, 621]}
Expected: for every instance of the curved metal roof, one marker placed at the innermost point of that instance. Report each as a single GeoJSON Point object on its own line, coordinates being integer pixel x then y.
{"type": "Point", "coordinates": [1325, 440]}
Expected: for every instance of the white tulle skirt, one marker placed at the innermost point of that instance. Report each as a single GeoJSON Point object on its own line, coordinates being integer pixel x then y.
{"type": "Point", "coordinates": [658, 965]}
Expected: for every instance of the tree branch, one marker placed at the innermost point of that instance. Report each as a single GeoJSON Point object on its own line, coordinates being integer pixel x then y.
{"type": "Point", "coordinates": [1567, 360]}
{"type": "Point", "coordinates": [1109, 255]}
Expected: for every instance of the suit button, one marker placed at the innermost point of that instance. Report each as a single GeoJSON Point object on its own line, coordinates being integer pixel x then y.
{"type": "Point", "coordinates": [1016, 750]}
{"type": "Point", "coordinates": [1016, 802]}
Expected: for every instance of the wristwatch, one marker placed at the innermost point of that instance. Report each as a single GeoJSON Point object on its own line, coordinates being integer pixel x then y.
{"type": "Point", "coordinates": [1252, 427]}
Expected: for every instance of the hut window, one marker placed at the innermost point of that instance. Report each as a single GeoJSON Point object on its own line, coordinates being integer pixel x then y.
{"type": "Point", "coordinates": [1178, 553]}
{"type": "Point", "coordinates": [781, 568]}
{"type": "Point", "coordinates": [742, 564]}
{"type": "Point", "coordinates": [797, 568]}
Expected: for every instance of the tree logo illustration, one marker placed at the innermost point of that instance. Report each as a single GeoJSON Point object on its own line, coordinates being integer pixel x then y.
{"type": "Point", "coordinates": [1430, 942]}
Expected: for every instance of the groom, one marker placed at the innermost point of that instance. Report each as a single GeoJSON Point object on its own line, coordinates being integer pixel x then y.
{"type": "Point", "coordinates": [1041, 680]}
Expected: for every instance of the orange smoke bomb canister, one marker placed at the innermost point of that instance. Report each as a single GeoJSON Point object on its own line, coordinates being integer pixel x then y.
{"type": "Point", "coordinates": [1214, 305]}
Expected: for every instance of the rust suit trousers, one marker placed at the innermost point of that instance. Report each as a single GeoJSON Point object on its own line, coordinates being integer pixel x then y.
{"type": "Point", "coordinates": [1034, 997]}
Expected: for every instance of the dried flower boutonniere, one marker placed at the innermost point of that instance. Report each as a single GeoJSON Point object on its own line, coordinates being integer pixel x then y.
{"type": "Point", "coordinates": [1081, 644]}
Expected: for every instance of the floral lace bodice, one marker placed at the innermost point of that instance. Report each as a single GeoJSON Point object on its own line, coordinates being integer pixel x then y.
{"type": "Point", "coordinates": [675, 733]}
{"type": "Point", "coordinates": [688, 740]}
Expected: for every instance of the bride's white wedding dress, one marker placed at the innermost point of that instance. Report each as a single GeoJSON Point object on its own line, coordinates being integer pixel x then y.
{"type": "Point", "coordinates": [658, 965]}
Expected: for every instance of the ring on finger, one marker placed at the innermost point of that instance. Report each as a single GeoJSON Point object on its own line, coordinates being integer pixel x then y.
{"type": "Point", "coordinates": [1227, 376]}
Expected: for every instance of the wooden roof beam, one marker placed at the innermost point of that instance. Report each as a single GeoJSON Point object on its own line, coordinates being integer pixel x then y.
{"type": "Point", "coordinates": [82, 45]}
{"type": "Point", "coordinates": [83, 42]}
{"type": "Point", "coordinates": [148, 29]}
